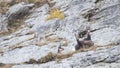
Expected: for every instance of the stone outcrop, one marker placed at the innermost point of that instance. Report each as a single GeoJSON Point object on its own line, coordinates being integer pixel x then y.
{"type": "Point", "coordinates": [38, 37]}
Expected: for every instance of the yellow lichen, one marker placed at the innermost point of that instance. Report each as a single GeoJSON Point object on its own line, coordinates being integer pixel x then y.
{"type": "Point", "coordinates": [56, 14]}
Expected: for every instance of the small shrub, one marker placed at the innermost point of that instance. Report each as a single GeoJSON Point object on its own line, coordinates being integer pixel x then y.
{"type": "Point", "coordinates": [63, 56]}
{"type": "Point", "coordinates": [49, 57]}
{"type": "Point", "coordinates": [31, 61]}
{"type": "Point", "coordinates": [41, 43]}
{"type": "Point", "coordinates": [31, 1]}
{"type": "Point", "coordinates": [56, 14]}
{"type": "Point", "coordinates": [5, 65]}
{"type": "Point", "coordinates": [53, 39]}
{"type": "Point", "coordinates": [4, 7]}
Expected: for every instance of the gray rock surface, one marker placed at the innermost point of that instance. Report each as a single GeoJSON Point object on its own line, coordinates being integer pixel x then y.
{"type": "Point", "coordinates": [18, 10]}
{"type": "Point", "coordinates": [15, 41]}
{"type": "Point", "coordinates": [25, 54]}
{"type": "Point", "coordinates": [3, 24]}
{"type": "Point", "coordinates": [38, 37]}
{"type": "Point", "coordinates": [91, 59]}
{"type": "Point", "coordinates": [14, 12]}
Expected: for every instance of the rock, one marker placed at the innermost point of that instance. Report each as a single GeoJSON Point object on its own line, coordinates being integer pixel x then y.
{"type": "Point", "coordinates": [13, 42]}
{"type": "Point", "coordinates": [3, 24]}
{"type": "Point", "coordinates": [105, 65]}
{"type": "Point", "coordinates": [38, 37]}
{"type": "Point", "coordinates": [106, 36]}
{"type": "Point", "coordinates": [24, 54]}
{"type": "Point", "coordinates": [86, 60]}
{"type": "Point", "coordinates": [46, 27]}
{"type": "Point", "coordinates": [18, 10]}
{"type": "Point", "coordinates": [107, 21]}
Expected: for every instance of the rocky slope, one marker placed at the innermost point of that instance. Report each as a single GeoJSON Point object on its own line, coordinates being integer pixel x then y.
{"type": "Point", "coordinates": [34, 42]}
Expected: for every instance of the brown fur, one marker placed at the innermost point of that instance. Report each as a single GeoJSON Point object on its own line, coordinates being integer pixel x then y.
{"type": "Point", "coordinates": [85, 43]}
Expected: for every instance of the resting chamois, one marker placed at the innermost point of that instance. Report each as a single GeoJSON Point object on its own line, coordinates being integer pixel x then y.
{"type": "Point", "coordinates": [86, 42]}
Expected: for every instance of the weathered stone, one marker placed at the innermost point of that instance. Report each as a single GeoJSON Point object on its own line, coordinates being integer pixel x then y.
{"type": "Point", "coordinates": [3, 24]}
{"type": "Point", "coordinates": [24, 54]}
{"type": "Point", "coordinates": [38, 37]}
{"type": "Point", "coordinates": [86, 59]}
{"type": "Point", "coordinates": [18, 10]}
{"type": "Point", "coordinates": [13, 42]}
{"type": "Point", "coordinates": [106, 36]}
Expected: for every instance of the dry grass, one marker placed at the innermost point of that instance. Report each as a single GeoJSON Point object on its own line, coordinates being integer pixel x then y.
{"type": "Point", "coordinates": [52, 57]}
{"type": "Point", "coordinates": [39, 3]}
{"type": "Point", "coordinates": [85, 49]}
{"type": "Point", "coordinates": [41, 43]}
{"type": "Point", "coordinates": [89, 14]}
{"type": "Point", "coordinates": [56, 14]}
{"type": "Point", "coordinates": [4, 5]}
{"type": "Point", "coordinates": [18, 1]}
{"type": "Point", "coordinates": [31, 1]}
{"type": "Point", "coordinates": [1, 52]}
{"type": "Point", "coordinates": [49, 39]}
{"type": "Point", "coordinates": [53, 39]}
{"type": "Point", "coordinates": [5, 65]}
{"type": "Point", "coordinates": [59, 56]}
{"type": "Point", "coordinates": [13, 26]}
{"type": "Point", "coordinates": [49, 57]}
